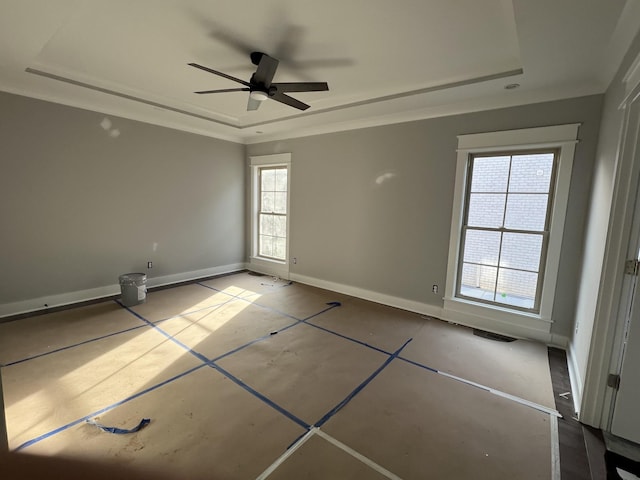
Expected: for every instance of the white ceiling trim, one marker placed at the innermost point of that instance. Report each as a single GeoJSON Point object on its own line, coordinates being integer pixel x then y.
{"type": "Point", "coordinates": [184, 111]}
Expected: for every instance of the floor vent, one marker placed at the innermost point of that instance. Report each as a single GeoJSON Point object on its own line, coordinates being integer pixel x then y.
{"type": "Point", "coordinates": [492, 336]}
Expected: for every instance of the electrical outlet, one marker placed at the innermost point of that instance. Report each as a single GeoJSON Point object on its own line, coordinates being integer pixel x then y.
{"type": "Point", "coordinates": [295, 260]}
{"type": "Point", "coordinates": [434, 289]}
{"type": "Point", "coordinates": [149, 264]}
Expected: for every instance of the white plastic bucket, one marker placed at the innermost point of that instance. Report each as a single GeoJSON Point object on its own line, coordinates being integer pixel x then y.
{"type": "Point", "coordinates": [133, 287]}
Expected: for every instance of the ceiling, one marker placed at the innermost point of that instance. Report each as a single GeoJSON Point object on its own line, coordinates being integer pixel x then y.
{"type": "Point", "coordinates": [385, 62]}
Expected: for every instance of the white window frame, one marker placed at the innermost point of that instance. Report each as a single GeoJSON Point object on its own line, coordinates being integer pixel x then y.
{"type": "Point", "coordinates": [562, 137]}
{"type": "Point", "coordinates": [269, 266]}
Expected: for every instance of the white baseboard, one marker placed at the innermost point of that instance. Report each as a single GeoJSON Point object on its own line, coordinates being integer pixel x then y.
{"type": "Point", "coordinates": [575, 379]}
{"type": "Point", "coordinates": [269, 267]}
{"type": "Point", "coordinates": [434, 311]}
{"type": "Point", "coordinates": [410, 305]}
{"type": "Point", "coordinates": [70, 298]}
{"type": "Point", "coordinates": [193, 275]}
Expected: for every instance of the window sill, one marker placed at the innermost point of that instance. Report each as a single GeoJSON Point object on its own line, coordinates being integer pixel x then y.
{"type": "Point", "coordinates": [268, 260]}
{"type": "Point", "coordinates": [270, 266]}
{"type": "Point", "coordinates": [473, 313]}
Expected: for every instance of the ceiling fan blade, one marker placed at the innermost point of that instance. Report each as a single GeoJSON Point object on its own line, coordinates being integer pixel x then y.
{"type": "Point", "coordinates": [224, 75]}
{"type": "Point", "coordinates": [266, 70]}
{"type": "Point", "coordinates": [290, 41]}
{"type": "Point", "coordinates": [301, 86]}
{"type": "Point", "coordinates": [321, 63]}
{"type": "Point", "coordinates": [232, 40]}
{"type": "Point", "coordinates": [287, 100]}
{"type": "Point", "coordinates": [253, 104]}
{"type": "Point", "coordinates": [224, 90]}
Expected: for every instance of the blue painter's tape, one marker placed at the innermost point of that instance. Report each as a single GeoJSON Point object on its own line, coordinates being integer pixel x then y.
{"type": "Point", "coordinates": [190, 312]}
{"type": "Point", "coordinates": [297, 439]}
{"type": "Point", "coordinates": [105, 409]}
{"type": "Point", "coordinates": [321, 312]}
{"type": "Point", "coordinates": [121, 431]}
{"type": "Point", "coordinates": [227, 374]}
{"type": "Point", "coordinates": [198, 355]}
{"type": "Point", "coordinates": [201, 357]}
{"type": "Point", "coordinates": [266, 400]}
{"type": "Point", "coordinates": [331, 305]}
{"type": "Point", "coordinates": [418, 365]}
{"type": "Point", "coordinates": [264, 337]}
{"type": "Point", "coordinates": [253, 303]}
{"type": "Point", "coordinates": [348, 338]}
{"type": "Point", "coordinates": [359, 388]}
{"type": "Point", "coordinates": [72, 346]}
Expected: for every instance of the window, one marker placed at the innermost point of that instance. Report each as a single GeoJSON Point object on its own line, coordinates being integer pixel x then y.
{"type": "Point", "coordinates": [272, 221]}
{"type": "Point", "coordinates": [506, 228]}
{"type": "Point", "coordinates": [270, 185]}
{"type": "Point", "coordinates": [507, 225]}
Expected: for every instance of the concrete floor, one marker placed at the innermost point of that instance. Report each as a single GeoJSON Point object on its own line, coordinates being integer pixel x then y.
{"type": "Point", "coordinates": [246, 377]}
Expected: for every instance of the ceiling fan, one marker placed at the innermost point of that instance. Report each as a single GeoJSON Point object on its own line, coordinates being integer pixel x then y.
{"type": "Point", "coordinates": [261, 87]}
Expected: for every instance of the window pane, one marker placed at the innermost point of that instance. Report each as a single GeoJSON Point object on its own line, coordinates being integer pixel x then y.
{"type": "Point", "coordinates": [267, 225]}
{"type": "Point", "coordinates": [526, 211]}
{"type": "Point", "coordinates": [482, 247]}
{"type": "Point", "coordinates": [517, 288]}
{"type": "Point", "coordinates": [531, 173]}
{"type": "Point", "coordinates": [266, 245]}
{"type": "Point", "coordinates": [279, 248]}
{"type": "Point", "coordinates": [280, 202]}
{"type": "Point", "coordinates": [486, 210]}
{"type": "Point", "coordinates": [281, 180]}
{"type": "Point", "coordinates": [490, 174]}
{"type": "Point", "coordinates": [521, 251]}
{"type": "Point", "coordinates": [478, 281]}
{"type": "Point", "coordinates": [268, 179]}
{"type": "Point", "coordinates": [268, 202]}
{"type": "Point", "coordinates": [279, 226]}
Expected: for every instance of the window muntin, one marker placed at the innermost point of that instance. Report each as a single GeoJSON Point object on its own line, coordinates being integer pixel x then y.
{"type": "Point", "coordinates": [505, 228]}
{"type": "Point", "coordinates": [272, 212]}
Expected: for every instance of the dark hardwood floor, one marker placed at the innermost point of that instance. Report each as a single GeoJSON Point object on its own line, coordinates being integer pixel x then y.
{"type": "Point", "coordinates": [574, 458]}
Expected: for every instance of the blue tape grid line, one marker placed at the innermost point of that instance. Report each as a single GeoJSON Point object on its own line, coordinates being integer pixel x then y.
{"type": "Point", "coordinates": [306, 320]}
{"type": "Point", "coordinates": [259, 339]}
{"type": "Point", "coordinates": [84, 342]}
{"type": "Point", "coordinates": [198, 355]}
{"type": "Point", "coordinates": [245, 299]}
{"type": "Point", "coordinates": [233, 378]}
{"type": "Point", "coordinates": [419, 365]}
{"type": "Point", "coordinates": [359, 388]}
{"type": "Point", "coordinates": [265, 399]}
{"type": "Point", "coordinates": [348, 338]}
{"type": "Point", "coordinates": [106, 409]}
{"type": "Point", "coordinates": [202, 358]}
{"type": "Point", "coordinates": [236, 380]}
{"type": "Point", "coordinates": [262, 397]}
{"type": "Point", "coordinates": [191, 312]}
{"type": "Point", "coordinates": [61, 349]}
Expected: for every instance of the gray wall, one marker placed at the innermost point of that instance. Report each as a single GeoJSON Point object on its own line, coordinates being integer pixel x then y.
{"type": "Point", "coordinates": [371, 208]}
{"type": "Point", "coordinates": [79, 207]}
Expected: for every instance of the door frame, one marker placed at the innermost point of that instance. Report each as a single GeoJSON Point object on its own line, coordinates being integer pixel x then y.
{"type": "Point", "coordinates": [614, 296]}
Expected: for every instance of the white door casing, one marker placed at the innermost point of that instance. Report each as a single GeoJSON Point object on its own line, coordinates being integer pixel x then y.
{"type": "Point", "coordinates": [625, 417]}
